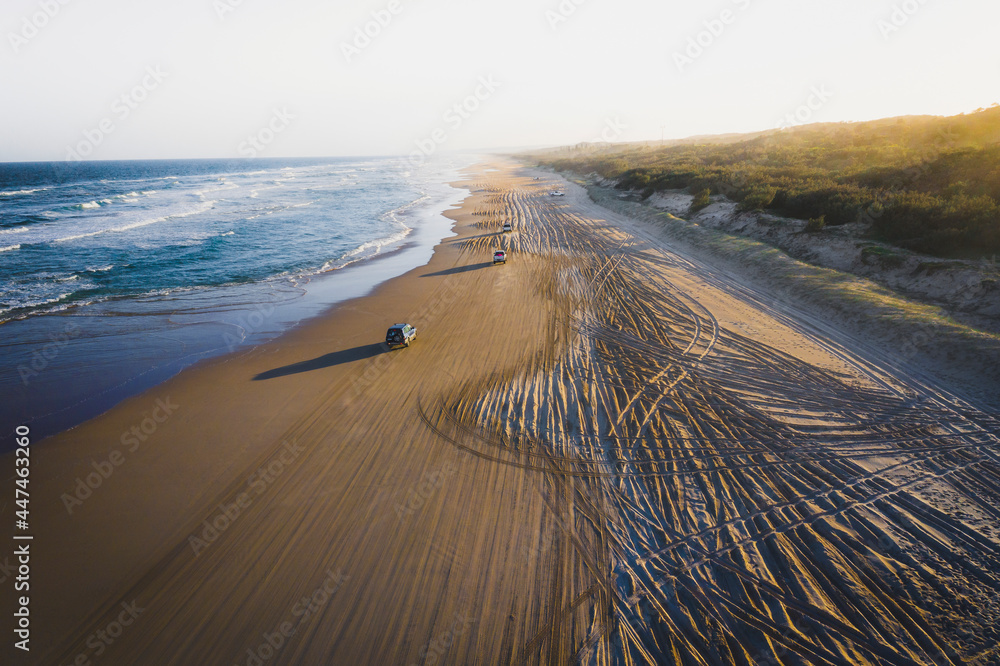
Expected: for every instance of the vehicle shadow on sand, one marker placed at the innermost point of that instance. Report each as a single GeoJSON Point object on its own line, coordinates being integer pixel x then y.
{"type": "Point", "coordinates": [465, 239]}
{"type": "Point", "coordinates": [326, 361]}
{"type": "Point", "coordinates": [459, 269]}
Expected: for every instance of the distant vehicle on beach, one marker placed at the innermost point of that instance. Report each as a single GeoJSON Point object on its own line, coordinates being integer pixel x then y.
{"type": "Point", "coordinates": [499, 257]}
{"type": "Point", "coordinates": [400, 335]}
{"type": "Point", "coordinates": [558, 193]}
{"type": "Point", "coordinates": [507, 226]}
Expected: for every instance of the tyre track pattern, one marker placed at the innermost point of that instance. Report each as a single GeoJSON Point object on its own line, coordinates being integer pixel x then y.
{"type": "Point", "coordinates": [717, 500]}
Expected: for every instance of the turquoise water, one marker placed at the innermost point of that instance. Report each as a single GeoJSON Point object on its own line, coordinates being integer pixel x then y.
{"type": "Point", "coordinates": [116, 275]}
{"type": "Point", "coordinates": [71, 236]}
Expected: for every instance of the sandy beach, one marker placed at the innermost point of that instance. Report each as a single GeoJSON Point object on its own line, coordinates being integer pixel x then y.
{"type": "Point", "coordinates": [600, 452]}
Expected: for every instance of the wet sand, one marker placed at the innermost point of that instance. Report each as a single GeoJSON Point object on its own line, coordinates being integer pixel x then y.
{"type": "Point", "coordinates": [600, 452]}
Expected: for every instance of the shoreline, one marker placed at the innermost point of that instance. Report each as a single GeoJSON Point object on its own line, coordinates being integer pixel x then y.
{"type": "Point", "coordinates": [45, 391]}
{"type": "Point", "coordinates": [481, 474]}
{"type": "Point", "coordinates": [181, 435]}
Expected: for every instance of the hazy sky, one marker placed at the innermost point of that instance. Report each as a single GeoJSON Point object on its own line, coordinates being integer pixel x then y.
{"type": "Point", "coordinates": [117, 79]}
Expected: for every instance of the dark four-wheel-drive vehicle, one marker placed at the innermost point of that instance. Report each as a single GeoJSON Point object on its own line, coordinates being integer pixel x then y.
{"type": "Point", "coordinates": [400, 335]}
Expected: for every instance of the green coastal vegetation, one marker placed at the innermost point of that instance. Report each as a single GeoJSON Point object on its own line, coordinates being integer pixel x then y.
{"type": "Point", "coordinates": [925, 183]}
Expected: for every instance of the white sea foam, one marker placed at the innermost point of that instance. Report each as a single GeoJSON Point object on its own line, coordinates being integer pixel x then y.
{"type": "Point", "coordinates": [366, 250]}
{"type": "Point", "coordinates": [27, 303]}
{"type": "Point", "coordinates": [15, 193]}
{"type": "Point", "coordinates": [343, 225]}
{"type": "Point", "coordinates": [10, 248]}
{"type": "Point", "coordinates": [225, 187]}
{"type": "Point", "coordinates": [204, 206]}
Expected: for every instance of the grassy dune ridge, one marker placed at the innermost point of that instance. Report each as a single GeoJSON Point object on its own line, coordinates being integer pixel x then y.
{"type": "Point", "coordinates": [925, 183]}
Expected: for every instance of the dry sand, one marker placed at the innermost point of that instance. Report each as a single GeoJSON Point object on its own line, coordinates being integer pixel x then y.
{"type": "Point", "coordinates": [600, 452]}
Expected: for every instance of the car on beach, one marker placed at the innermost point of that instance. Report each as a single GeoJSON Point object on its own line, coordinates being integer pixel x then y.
{"type": "Point", "coordinates": [558, 193]}
{"type": "Point", "coordinates": [499, 257]}
{"type": "Point", "coordinates": [507, 226]}
{"type": "Point", "coordinates": [400, 335]}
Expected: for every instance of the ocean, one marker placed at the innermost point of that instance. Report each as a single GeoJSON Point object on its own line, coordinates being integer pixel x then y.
{"type": "Point", "coordinates": [116, 275]}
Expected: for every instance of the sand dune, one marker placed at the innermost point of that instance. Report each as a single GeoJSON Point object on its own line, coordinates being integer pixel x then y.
{"type": "Point", "coordinates": [601, 452]}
